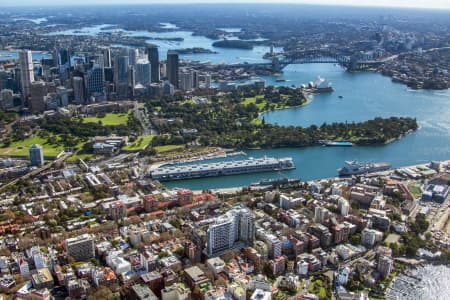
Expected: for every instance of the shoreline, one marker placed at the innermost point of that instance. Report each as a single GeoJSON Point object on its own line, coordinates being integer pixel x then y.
{"type": "Point", "coordinates": [237, 189]}
{"type": "Point", "coordinates": [307, 102]}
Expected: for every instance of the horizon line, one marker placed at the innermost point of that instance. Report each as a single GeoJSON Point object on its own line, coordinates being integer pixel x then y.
{"type": "Point", "coordinates": [222, 2]}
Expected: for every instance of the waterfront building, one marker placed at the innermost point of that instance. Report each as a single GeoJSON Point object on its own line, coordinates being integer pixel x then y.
{"type": "Point", "coordinates": [26, 72]}
{"type": "Point", "coordinates": [153, 58]}
{"type": "Point", "coordinates": [234, 229]}
{"type": "Point", "coordinates": [173, 67]}
{"type": "Point", "coordinates": [81, 248]}
{"type": "Point", "coordinates": [143, 72]}
{"type": "Point", "coordinates": [36, 155]}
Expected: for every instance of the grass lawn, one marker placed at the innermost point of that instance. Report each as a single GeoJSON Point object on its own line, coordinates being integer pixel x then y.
{"type": "Point", "coordinates": [250, 100]}
{"type": "Point", "coordinates": [168, 148]}
{"type": "Point", "coordinates": [112, 119]}
{"type": "Point", "coordinates": [20, 148]}
{"type": "Point", "coordinates": [414, 189]}
{"type": "Point", "coordinates": [139, 144]}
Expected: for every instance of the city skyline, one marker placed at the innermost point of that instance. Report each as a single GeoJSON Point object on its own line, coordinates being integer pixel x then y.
{"type": "Point", "coordinates": [434, 4]}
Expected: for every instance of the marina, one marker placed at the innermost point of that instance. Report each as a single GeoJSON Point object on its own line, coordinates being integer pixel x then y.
{"type": "Point", "coordinates": [251, 165]}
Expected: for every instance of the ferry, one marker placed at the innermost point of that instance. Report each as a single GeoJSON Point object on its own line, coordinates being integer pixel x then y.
{"type": "Point", "coordinates": [358, 168]}
{"type": "Point", "coordinates": [336, 143]}
{"type": "Point", "coordinates": [226, 168]}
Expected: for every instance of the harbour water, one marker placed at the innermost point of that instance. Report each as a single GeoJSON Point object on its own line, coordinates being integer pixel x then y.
{"type": "Point", "coordinates": [363, 96]}
{"type": "Point", "coordinates": [434, 284]}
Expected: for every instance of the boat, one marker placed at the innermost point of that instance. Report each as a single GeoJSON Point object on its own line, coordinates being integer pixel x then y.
{"type": "Point", "coordinates": [340, 97]}
{"type": "Point", "coordinates": [336, 143]}
{"type": "Point", "coordinates": [280, 80]}
{"type": "Point", "coordinates": [358, 168]}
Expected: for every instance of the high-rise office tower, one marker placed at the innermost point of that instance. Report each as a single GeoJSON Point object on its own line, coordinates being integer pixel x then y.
{"type": "Point", "coordinates": [78, 90]}
{"type": "Point", "coordinates": [172, 67]}
{"type": "Point", "coordinates": [36, 102]}
{"type": "Point", "coordinates": [36, 155]}
{"type": "Point", "coordinates": [107, 63]}
{"type": "Point", "coordinates": [153, 58]}
{"type": "Point", "coordinates": [95, 80]}
{"type": "Point", "coordinates": [121, 69]}
{"type": "Point", "coordinates": [143, 72]}
{"type": "Point", "coordinates": [26, 72]}
{"type": "Point", "coordinates": [133, 56]}
{"type": "Point", "coordinates": [64, 57]}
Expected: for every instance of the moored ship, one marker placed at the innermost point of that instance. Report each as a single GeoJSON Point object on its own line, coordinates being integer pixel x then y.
{"type": "Point", "coordinates": [252, 165]}
{"type": "Point", "coordinates": [357, 168]}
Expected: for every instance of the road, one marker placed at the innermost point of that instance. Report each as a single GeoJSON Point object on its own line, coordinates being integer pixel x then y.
{"type": "Point", "coordinates": [35, 172]}
{"type": "Point", "coordinates": [140, 112]}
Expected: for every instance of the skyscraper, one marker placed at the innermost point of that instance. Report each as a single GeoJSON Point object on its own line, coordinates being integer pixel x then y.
{"type": "Point", "coordinates": [38, 90]}
{"type": "Point", "coordinates": [107, 57]}
{"type": "Point", "coordinates": [95, 80]}
{"type": "Point", "coordinates": [236, 225]}
{"type": "Point", "coordinates": [153, 58]}
{"type": "Point", "coordinates": [143, 72]}
{"type": "Point", "coordinates": [172, 67]}
{"type": "Point", "coordinates": [64, 57]}
{"type": "Point", "coordinates": [36, 155]}
{"type": "Point", "coordinates": [26, 72]}
{"type": "Point", "coordinates": [121, 69]}
{"type": "Point", "coordinates": [78, 90]}
{"type": "Point", "coordinates": [133, 56]}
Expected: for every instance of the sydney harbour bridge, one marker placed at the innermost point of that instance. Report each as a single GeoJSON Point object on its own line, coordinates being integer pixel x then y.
{"type": "Point", "coordinates": [352, 62]}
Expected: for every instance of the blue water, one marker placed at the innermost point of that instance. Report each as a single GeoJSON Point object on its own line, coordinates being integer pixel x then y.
{"type": "Point", "coordinates": [223, 55]}
{"type": "Point", "coordinates": [365, 96]}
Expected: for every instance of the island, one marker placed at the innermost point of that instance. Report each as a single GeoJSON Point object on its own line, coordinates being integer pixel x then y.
{"type": "Point", "coordinates": [195, 50]}
{"type": "Point", "coordinates": [238, 44]}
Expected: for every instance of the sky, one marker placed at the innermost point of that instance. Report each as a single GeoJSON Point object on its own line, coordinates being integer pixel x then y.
{"type": "Point", "coordinates": [445, 4]}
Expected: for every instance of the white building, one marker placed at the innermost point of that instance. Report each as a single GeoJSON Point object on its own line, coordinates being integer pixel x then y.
{"type": "Point", "coordinates": [237, 225]}
{"type": "Point", "coordinates": [302, 268]}
{"type": "Point", "coordinates": [261, 295]}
